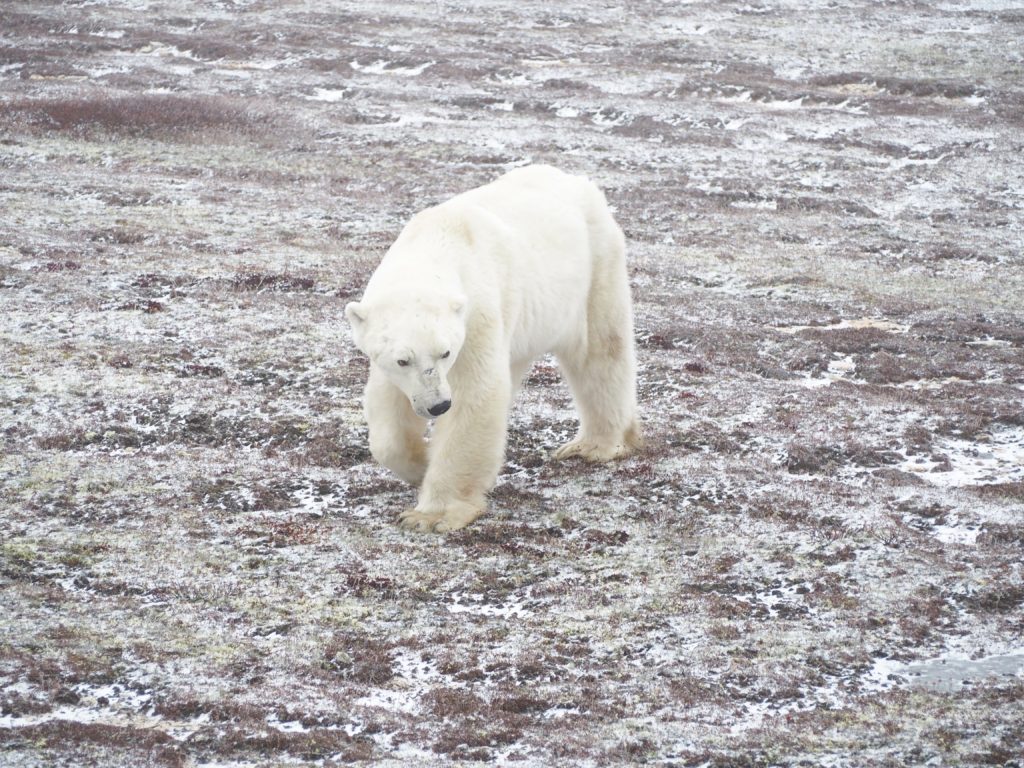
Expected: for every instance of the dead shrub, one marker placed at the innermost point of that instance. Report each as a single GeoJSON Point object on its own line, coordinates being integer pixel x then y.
{"type": "Point", "coordinates": [1002, 598]}
{"type": "Point", "coordinates": [812, 458]}
{"type": "Point", "coordinates": [152, 747]}
{"type": "Point", "coordinates": [999, 533]}
{"type": "Point", "coordinates": [358, 658]}
{"type": "Point", "coordinates": [138, 115]}
{"type": "Point", "coordinates": [448, 703]}
{"type": "Point", "coordinates": [265, 281]}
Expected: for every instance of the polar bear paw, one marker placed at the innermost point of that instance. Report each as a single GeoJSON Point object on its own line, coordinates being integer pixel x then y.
{"type": "Point", "coordinates": [591, 451]}
{"type": "Point", "coordinates": [453, 517]}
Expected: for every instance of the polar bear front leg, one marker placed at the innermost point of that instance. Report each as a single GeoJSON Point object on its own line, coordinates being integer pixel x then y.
{"type": "Point", "coordinates": [396, 432]}
{"type": "Point", "coordinates": [467, 448]}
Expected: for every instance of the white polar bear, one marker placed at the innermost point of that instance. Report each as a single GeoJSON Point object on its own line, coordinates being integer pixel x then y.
{"type": "Point", "coordinates": [470, 294]}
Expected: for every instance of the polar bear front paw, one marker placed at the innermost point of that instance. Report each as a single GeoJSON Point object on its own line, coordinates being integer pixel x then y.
{"type": "Point", "coordinates": [591, 451]}
{"type": "Point", "coordinates": [418, 521]}
{"type": "Point", "coordinates": [451, 518]}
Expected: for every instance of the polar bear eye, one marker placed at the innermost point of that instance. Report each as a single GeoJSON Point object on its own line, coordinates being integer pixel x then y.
{"type": "Point", "coordinates": [446, 354]}
{"type": "Point", "coordinates": [402, 363]}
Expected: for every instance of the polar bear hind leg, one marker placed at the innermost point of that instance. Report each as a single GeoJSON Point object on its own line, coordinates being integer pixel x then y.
{"type": "Point", "coordinates": [601, 381]}
{"type": "Point", "coordinates": [601, 368]}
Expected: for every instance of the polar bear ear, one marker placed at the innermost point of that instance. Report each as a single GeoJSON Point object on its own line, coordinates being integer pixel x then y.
{"type": "Point", "coordinates": [356, 313]}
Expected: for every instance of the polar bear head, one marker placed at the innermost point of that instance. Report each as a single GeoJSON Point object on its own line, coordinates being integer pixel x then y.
{"type": "Point", "coordinates": [414, 342]}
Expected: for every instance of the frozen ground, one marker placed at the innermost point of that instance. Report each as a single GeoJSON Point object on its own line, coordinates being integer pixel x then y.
{"type": "Point", "coordinates": [817, 560]}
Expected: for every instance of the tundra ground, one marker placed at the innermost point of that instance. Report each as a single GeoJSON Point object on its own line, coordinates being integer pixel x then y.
{"type": "Point", "coordinates": [816, 560]}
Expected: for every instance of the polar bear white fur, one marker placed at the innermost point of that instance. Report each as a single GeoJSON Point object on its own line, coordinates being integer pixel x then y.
{"type": "Point", "coordinates": [470, 294]}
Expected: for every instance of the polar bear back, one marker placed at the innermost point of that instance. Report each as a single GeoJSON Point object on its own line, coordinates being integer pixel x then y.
{"type": "Point", "coordinates": [524, 248]}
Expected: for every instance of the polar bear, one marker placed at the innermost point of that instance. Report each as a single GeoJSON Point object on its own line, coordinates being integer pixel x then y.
{"type": "Point", "coordinates": [469, 295]}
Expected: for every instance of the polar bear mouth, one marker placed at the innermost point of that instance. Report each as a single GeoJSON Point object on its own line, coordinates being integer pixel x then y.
{"type": "Point", "coordinates": [431, 407]}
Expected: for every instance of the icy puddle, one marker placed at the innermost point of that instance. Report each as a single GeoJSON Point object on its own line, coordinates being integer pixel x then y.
{"type": "Point", "coordinates": [948, 673]}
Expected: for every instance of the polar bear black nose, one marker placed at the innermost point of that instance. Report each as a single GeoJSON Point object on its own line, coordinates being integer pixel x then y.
{"type": "Point", "coordinates": [437, 410]}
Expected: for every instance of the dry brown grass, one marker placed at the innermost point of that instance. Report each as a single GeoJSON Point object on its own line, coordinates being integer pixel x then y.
{"type": "Point", "coordinates": [166, 115]}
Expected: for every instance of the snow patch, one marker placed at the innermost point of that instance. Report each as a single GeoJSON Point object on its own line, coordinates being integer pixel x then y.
{"type": "Point", "coordinates": [860, 322]}
{"type": "Point", "coordinates": [475, 603]}
{"type": "Point", "coordinates": [413, 677]}
{"type": "Point", "coordinates": [385, 67]}
{"type": "Point", "coordinates": [690, 28]}
{"type": "Point", "coordinates": [112, 34]}
{"type": "Point", "coordinates": [111, 704]}
{"type": "Point", "coordinates": [328, 94]}
{"type": "Point", "coordinates": [841, 367]}
{"type": "Point", "coordinates": [776, 599]}
{"type": "Point", "coordinates": [316, 500]}
{"type": "Point", "coordinates": [156, 48]}
{"type": "Point", "coordinates": [961, 462]}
